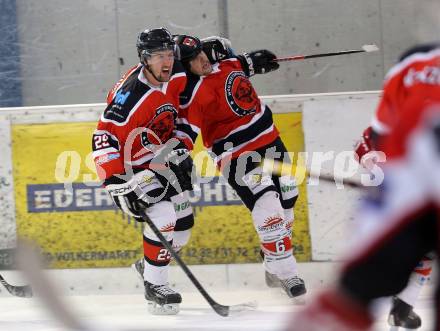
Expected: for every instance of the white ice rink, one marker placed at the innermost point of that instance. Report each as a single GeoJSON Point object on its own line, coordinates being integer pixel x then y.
{"type": "Point", "coordinates": [128, 311]}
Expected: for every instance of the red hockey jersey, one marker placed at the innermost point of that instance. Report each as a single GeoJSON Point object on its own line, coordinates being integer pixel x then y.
{"type": "Point", "coordinates": [134, 105]}
{"type": "Point", "coordinates": [224, 107]}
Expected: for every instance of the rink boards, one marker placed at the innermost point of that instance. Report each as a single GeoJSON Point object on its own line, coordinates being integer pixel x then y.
{"type": "Point", "coordinates": [51, 193]}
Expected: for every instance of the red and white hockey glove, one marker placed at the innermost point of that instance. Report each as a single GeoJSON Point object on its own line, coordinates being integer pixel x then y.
{"type": "Point", "coordinates": [364, 145]}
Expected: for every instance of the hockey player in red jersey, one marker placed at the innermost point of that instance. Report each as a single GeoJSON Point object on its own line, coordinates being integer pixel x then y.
{"type": "Point", "coordinates": [134, 149]}
{"type": "Point", "coordinates": [220, 103]}
{"type": "Point", "coordinates": [386, 116]}
{"type": "Point", "coordinates": [400, 218]}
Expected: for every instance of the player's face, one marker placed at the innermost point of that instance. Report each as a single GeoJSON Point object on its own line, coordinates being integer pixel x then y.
{"type": "Point", "coordinates": [200, 65]}
{"type": "Point", "coordinates": [161, 64]}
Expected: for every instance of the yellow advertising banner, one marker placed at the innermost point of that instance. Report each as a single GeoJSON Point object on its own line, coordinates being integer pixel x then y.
{"type": "Point", "coordinates": [61, 206]}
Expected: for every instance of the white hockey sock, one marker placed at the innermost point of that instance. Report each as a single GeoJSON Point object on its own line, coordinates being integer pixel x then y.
{"type": "Point", "coordinates": [268, 217]}
{"type": "Point", "coordinates": [156, 256]}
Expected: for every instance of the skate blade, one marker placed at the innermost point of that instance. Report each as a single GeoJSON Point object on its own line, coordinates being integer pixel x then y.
{"type": "Point", "coordinates": [167, 309]}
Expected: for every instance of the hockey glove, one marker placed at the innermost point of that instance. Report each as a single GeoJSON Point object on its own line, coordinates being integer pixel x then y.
{"type": "Point", "coordinates": [258, 62]}
{"type": "Point", "coordinates": [217, 48]}
{"type": "Point", "coordinates": [136, 194]}
{"type": "Point", "coordinates": [181, 164]}
{"type": "Point", "coordinates": [367, 144]}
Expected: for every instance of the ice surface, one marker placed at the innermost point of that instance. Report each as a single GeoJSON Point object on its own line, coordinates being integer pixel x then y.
{"type": "Point", "coordinates": [129, 312]}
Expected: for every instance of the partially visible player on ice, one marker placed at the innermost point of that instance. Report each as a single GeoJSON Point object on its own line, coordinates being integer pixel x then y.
{"type": "Point", "coordinates": [386, 117]}
{"type": "Point", "coordinates": [144, 168]}
{"type": "Point", "coordinates": [220, 103]}
{"type": "Point", "coordinates": [400, 218]}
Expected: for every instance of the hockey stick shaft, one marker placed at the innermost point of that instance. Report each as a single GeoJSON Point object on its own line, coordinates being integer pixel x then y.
{"type": "Point", "coordinates": [365, 49]}
{"type": "Point", "coordinates": [24, 291]}
{"type": "Point", "coordinates": [279, 168]}
{"type": "Point", "coordinates": [218, 308]}
{"type": "Point", "coordinates": [332, 179]}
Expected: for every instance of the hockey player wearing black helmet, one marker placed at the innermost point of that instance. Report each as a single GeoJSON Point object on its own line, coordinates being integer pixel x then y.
{"type": "Point", "coordinates": [157, 51]}
{"type": "Point", "coordinates": [144, 167]}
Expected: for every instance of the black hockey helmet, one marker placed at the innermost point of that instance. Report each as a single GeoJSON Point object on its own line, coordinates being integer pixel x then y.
{"type": "Point", "coordinates": [189, 47]}
{"type": "Point", "coordinates": [155, 40]}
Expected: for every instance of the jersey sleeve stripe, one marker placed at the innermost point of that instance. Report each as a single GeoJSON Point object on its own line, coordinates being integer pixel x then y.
{"type": "Point", "coordinates": [101, 152]}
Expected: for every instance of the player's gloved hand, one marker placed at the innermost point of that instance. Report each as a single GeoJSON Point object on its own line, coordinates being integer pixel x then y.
{"type": "Point", "coordinates": [365, 144]}
{"type": "Point", "coordinates": [366, 152]}
{"type": "Point", "coordinates": [133, 195]}
{"type": "Point", "coordinates": [217, 48]}
{"type": "Point", "coordinates": [258, 62]}
{"type": "Point", "coordinates": [181, 164]}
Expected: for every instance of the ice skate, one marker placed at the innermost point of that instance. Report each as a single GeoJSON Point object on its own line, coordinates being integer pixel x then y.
{"type": "Point", "coordinates": [294, 286]}
{"type": "Point", "coordinates": [402, 316]}
{"type": "Point", "coordinates": [161, 299]}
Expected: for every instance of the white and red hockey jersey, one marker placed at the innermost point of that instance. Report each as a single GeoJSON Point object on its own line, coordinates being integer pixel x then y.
{"type": "Point", "coordinates": [410, 114]}
{"type": "Point", "coordinates": [416, 70]}
{"type": "Point", "coordinates": [413, 101]}
{"type": "Point", "coordinates": [224, 107]}
{"type": "Point", "coordinates": [134, 105]}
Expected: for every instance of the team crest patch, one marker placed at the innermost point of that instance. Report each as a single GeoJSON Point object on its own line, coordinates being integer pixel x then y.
{"type": "Point", "coordinates": [240, 95]}
{"type": "Point", "coordinates": [160, 128]}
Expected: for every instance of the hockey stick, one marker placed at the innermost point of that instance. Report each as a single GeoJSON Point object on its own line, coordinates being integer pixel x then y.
{"type": "Point", "coordinates": [279, 168]}
{"type": "Point", "coordinates": [24, 291]}
{"type": "Point", "coordinates": [222, 310]}
{"type": "Point", "coordinates": [364, 49]}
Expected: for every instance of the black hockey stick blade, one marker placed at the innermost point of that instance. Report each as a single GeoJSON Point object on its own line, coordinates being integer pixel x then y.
{"type": "Point", "coordinates": [24, 291]}
{"type": "Point", "coordinates": [222, 310]}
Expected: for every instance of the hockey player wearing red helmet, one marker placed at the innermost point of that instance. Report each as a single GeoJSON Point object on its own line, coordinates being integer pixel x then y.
{"type": "Point", "coordinates": [220, 103]}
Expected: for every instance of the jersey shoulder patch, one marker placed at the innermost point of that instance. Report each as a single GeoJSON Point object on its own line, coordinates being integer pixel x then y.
{"type": "Point", "coordinates": [240, 94]}
{"type": "Point", "coordinates": [125, 99]}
